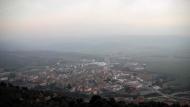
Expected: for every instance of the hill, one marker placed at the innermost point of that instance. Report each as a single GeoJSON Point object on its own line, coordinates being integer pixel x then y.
{"type": "Point", "coordinates": [14, 96]}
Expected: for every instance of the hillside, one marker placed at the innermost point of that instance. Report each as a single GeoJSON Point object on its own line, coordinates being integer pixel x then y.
{"type": "Point", "coordinates": [14, 96]}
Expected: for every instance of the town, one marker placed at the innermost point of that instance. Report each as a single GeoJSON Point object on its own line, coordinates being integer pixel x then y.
{"type": "Point", "coordinates": [113, 76]}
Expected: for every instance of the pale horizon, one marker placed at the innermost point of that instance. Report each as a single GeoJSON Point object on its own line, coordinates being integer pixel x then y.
{"type": "Point", "coordinates": [68, 24]}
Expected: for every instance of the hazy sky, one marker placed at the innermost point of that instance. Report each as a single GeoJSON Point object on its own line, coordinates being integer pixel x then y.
{"type": "Point", "coordinates": [117, 15]}
{"type": "Point", "coordinates": [61, 19]}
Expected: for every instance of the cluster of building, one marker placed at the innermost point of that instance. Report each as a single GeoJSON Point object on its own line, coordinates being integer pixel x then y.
{"type": "Point", "coordinates": [90, 77]}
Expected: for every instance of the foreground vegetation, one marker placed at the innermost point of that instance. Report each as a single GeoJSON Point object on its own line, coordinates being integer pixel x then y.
{"type": "Point", "coordinates": [14, 96]}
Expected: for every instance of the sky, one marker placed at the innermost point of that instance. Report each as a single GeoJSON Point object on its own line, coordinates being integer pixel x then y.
{"type": "Point", "coordinates": [25, 21]}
